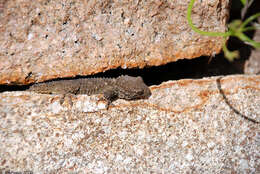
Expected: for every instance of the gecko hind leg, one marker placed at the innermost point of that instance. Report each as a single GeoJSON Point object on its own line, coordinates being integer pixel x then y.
{"type": "Point", "coordinates": [110, 95]}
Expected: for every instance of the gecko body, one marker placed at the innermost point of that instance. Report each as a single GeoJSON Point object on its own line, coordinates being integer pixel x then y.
{"type": "Point", "coordinates": [123, 87]}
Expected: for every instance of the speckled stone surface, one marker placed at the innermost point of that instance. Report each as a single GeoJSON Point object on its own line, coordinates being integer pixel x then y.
{"type": "Point", "coordinates": [186, 126]}
{"type": "Point", "coordinates": [252, 65]}
{"type": "Point", "coordinates": [44, 39]}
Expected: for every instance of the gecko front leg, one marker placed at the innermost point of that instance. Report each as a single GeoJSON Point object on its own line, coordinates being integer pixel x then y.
{"type": "Point", "coordinates": [69, 95]}
{"type": "Point", "coordinates": [110, 95]}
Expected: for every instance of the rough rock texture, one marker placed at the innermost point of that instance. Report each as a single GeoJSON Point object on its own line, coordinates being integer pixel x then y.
{"type": "Point", "coordinates": [252, 66]}
{"type": "Point", "coordinates": [186, 126]}
{"type": "Point", "coordinates": [44, 39]}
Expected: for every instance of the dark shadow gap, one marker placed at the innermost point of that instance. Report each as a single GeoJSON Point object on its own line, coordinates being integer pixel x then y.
{"type": "Point", "coordinates": [183, 69]}
{"type": "Point", "coordinates": [4, 88]}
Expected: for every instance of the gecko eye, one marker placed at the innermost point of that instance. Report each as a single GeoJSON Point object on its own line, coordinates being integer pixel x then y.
{"type": "Point", "coordinates": [140, 92]}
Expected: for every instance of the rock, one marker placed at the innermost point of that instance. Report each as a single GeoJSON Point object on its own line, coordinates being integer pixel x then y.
{"type": "Point", "coordinates": [252, 66]}
{"type": "Point", "coordinates": [43, 40]}
{"type": "Point", "coordinates": [185, 126]}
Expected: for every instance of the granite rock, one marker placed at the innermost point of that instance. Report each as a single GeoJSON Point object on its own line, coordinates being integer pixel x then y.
{"type": "Point", "coordinates": [186, 126]}
{"type": "Point", "coordinates": [252, 65]}
{"type": "Point", "coordinates": [42, 40]}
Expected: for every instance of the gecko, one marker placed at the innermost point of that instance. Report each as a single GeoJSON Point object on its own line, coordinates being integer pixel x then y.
{"type": "Point", "coordinates": [123, 87]}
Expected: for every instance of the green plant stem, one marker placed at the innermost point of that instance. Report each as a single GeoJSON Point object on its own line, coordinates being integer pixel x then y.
{"type": "Point", "coordinates": [244, 38]}
{"type": "Point", "coordinates": [249, 29]}
{"type": "Point", "coordinates": [208, 33]}
{"type": "Point", "coordinates": [251, 18]}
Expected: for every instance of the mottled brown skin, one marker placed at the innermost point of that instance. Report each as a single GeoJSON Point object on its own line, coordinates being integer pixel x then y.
{"type": "Point", "coordinates": [123, 87]}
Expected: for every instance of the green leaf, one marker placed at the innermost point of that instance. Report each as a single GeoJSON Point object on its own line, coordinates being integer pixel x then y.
{"type": "Point", "coordinates": [243, 2]}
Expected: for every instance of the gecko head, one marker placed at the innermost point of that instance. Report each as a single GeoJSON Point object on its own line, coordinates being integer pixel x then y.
{"type": "Point", "coordinates": [131, 88]}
